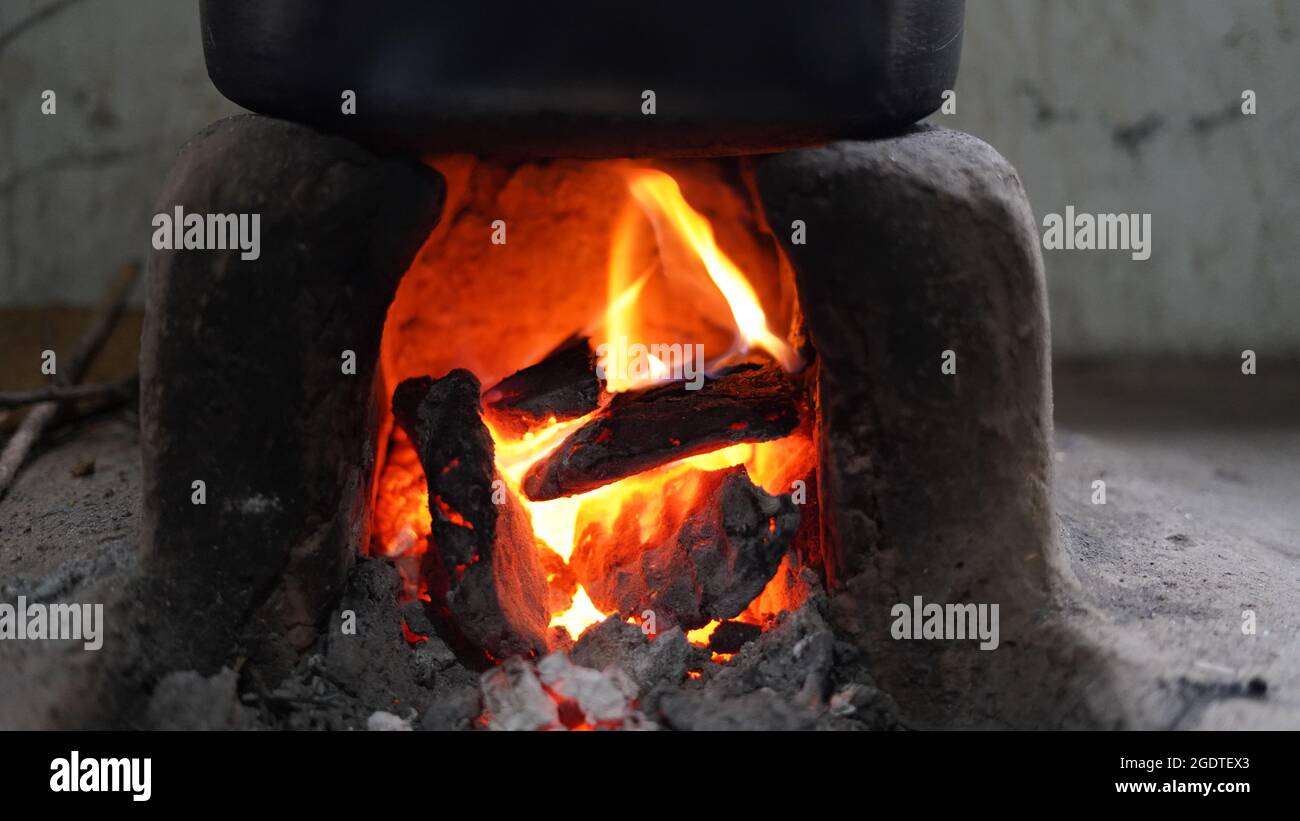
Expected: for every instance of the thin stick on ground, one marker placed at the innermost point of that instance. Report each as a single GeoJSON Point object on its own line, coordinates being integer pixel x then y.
{"type": "Point", "coordinates": [67, 393]}
{"type": "Point", "coordinates": [88, 347]}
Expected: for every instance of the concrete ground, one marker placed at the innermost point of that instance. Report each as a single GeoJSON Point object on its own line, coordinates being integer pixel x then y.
{"type": "Point", "coordinates": [1200, 528]}
{"type": "Point", "coordinates": [1201, 524]}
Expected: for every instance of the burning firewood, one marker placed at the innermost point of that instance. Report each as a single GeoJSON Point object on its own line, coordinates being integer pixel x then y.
{"type": "Point", "coordinates": [699, 548]}
{"type": "Point", "coordinates": [564, 385]}
{"type": "Point", "coordinates": [640, 430]}
{"type": "Point", "coordinates": [482, 567]}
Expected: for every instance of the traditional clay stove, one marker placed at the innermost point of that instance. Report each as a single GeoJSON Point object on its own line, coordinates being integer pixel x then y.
{"type": "Point", "coordinates": [417, 407]}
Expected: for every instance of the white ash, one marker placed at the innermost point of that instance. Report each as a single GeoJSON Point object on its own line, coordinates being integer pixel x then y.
{"type": "Point", "coordinates": [519, 696]}
{"type": "Point", "coordinates": [381, 721]}
{"type": "Point", "coordinates": [842, 701]}
{"type": "Point", "coordinates": [602, 696]}
{"type": "Point", "coordinates": [514, 698]}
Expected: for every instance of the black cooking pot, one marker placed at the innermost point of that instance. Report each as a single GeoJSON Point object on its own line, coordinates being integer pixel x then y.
{"type": "Point", "coordinates": [570, 78]}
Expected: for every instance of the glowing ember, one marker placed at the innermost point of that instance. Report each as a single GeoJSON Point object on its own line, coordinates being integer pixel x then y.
{"type": "Point", "coordinates": [700, 637]}
{"type": "Point", "coordinates": [580, 615]}
{"type": "Point", "coordinates": [410, 635]}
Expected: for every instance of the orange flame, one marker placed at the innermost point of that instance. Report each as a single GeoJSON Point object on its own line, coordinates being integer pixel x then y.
{"type": "Point", "coordinates": [580, 615]}
{"type": "Point", "coordinates": [661, 199]}
{"type": "Point", "coordinates": [620, 310]}
{"type": "Point", "coordinates": [621, 316]}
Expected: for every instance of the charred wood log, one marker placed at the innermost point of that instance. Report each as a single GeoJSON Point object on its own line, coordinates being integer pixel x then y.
{"type": "Point", "coordinates": [715, 542]}
{"type": "Point", "coordinates": [564, 385]}
{"type": "Point", "coordinates": [485, 580]}
{"type": "Point", "coordinates": [640, 430]}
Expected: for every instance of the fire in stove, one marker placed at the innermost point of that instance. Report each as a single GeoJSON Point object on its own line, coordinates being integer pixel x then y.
{"type": "Point", "coordinates": [612, 391]}
{"type": "Point", "coordinates": [653, 465]}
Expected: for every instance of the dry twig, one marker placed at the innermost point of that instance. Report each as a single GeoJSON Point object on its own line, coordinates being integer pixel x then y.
{"type": "Point", "coordinates": [67, 393]}
{"type": "Point", "coordinates": [92, 340]}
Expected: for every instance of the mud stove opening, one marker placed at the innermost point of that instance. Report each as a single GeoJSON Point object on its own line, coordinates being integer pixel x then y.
{"type": "Point", "coordinates": [597, 413]}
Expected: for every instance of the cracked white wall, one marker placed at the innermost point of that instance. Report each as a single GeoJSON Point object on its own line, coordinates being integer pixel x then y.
{"type": "Point", "coordinates": [1108, 105]}
{"type": "Point", "coordinates": [77, 189]}
{"type": "Point", "coordinates": [1133, 106]}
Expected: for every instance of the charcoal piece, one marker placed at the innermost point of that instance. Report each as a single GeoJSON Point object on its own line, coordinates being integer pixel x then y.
{"type": "Point", "coordinates": [782, 680]}
{"type": "Point", "coordinates": [640, 430]}
{"type": "Point", "coordinates": [416, 618]}
{"type": "Point", "coordinates": [717, 541]}
{"type": "Point", "coordinates": [485, 580]}
{"type": "Point", "coordinates": [431, 658]}
{"type": "Point", "coordinates": [730, 636]}
{"type": "Point", "coordinates": [860, 705]}
{"type": "Point", "coordinates": [430, 655]}
{"type": "Point", "coordinates": [760, 710]}
{"type": "Point", "coordinates": [455, 708]}
{"type": "Point", "coordinates": [563, 385]}
{"type": "Point", "coordinates": [374, 665]}
{"type": "Point", "coordinates": [793, 658]}
{"type": "Point", "coordinates": [649, 662]}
